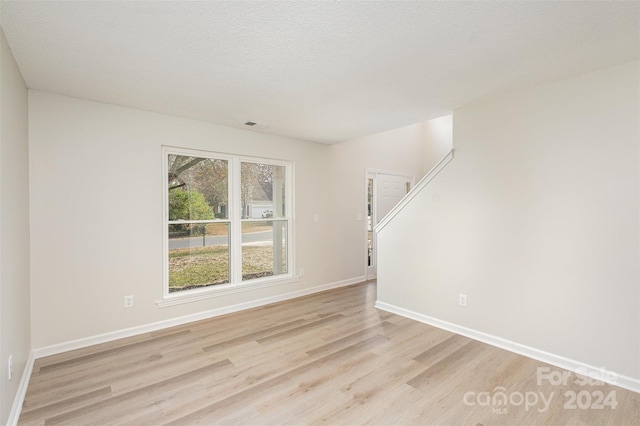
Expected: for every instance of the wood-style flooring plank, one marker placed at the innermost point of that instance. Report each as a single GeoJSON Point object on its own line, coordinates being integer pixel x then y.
{"type": "Point", "coordinates": [326, 359]}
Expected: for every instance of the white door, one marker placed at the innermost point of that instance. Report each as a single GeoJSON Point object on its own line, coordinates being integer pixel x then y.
{"type": "Point", "coordinates": [390, 190]}
{"type": "Point", "coordinates": [384, 191]}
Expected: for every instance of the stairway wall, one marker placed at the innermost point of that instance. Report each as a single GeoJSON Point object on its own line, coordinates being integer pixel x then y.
{"type": "Point", "coordinates": [536, 220]}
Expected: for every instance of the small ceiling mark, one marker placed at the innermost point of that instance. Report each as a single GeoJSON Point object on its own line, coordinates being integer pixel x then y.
{"type": "Point", "coordinates": [255, 125]}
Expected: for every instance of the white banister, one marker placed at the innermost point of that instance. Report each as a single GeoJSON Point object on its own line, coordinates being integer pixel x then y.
{"type": "Point", "coordinates": [407, 198]}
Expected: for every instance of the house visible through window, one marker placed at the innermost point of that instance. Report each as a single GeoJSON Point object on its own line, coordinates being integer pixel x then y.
{"type": "Point", "coordinates": [227, 219]}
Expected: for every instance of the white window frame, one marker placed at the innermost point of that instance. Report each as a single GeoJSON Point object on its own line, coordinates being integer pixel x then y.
{"type": "Point", "coordinates": [234, 218]}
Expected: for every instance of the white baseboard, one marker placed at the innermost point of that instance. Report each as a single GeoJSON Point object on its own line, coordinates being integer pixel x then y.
{"type": "Point", "coordinates": [133, 331]}
{"type": "Point", "coordinates": [625, 382]}
{"type": "Point", "coordinates": [16, 408]}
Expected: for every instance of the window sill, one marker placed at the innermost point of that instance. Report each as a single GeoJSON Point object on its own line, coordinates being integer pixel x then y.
{"type": "Point", "coordinates": [222, 290]}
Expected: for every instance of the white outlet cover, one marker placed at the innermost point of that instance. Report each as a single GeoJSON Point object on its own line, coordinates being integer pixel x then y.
{"type": "Point", "coordinates": [462, 300]}
{"type": "Point", "coordinates": [128, 301]}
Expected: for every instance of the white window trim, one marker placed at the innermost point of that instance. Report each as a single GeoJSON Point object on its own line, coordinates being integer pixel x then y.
{"type": "Point", "coordinates": [236, 285]}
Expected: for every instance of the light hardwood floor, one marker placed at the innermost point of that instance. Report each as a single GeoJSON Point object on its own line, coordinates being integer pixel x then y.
{"type": "Point", "coordinates": [329, 358]}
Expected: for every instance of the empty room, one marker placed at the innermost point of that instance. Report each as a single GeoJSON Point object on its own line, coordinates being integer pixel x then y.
{"type": "Point", "coordinates": [341, 213]}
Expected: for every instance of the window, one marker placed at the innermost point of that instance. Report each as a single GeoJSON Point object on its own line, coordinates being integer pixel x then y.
{"type": "Point", "coordinates": [227, 220]}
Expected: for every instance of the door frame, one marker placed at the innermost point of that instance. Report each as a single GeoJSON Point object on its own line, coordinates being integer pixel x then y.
{"type": "Point", "coordinates": [371, 270]}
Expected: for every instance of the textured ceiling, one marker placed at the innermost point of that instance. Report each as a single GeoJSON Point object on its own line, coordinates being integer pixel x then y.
{"type": "Point", "coordinates": [321, 71]}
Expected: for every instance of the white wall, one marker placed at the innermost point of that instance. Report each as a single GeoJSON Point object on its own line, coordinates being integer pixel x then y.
{"type": "Point", "coordinates": [96, 204]}
{"type": "Point", "coordinates": [15, 336]}
{"type": "Point", "coordinates": [536, 219]}
{"type": "Point", "coordinates": [437, 140]}
{"type": "Point", "coordinates": [96, 209]}
{"type": "Point", "coordinates": [398, 150]}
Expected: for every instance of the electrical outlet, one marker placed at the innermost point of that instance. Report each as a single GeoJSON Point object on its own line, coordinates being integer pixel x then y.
{"type": "Point", "coordinates": [462, 300]}
{"type": "Point", "coordinates": [301, 274]}
{"type": "Point", "coordinates": [10, 368]}
{"type": "Point", "coordinates": [316, 218]}
{"type": "Point", "coordinates": [128, 301]}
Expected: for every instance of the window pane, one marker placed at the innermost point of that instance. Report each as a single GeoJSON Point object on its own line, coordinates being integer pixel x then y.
{"type": "Point", "coordinates": [198, 188]}
{"type": "Point", "coordinates": [264, 249]}
{"type": "Point", "coordinates": [198, 255]}
{"type": "Point", "coordinates": [263, 191]}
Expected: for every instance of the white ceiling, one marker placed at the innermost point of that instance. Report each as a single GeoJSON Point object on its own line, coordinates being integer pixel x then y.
{"type": "Point", "coordinates": [321, 71]}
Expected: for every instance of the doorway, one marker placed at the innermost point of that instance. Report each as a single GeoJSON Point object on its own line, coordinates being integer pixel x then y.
{"type": "Point", "coordinates": [384, 191]}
